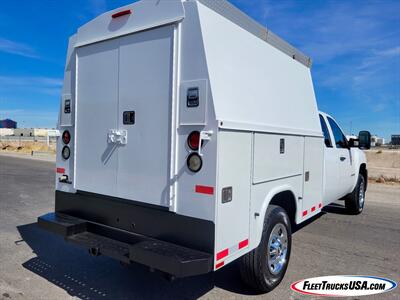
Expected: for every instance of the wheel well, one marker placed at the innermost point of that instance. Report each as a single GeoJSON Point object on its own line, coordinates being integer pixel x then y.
{"type": "Point", "coordinates": [287, 201]}
{"type": "Point", "coordinates": [364, 173]}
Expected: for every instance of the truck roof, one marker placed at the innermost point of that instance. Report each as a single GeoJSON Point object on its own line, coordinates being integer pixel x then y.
{"type": "Point", "coordinates": [235, 15]}
{"type": "Point", "coordinates": [172, 11]}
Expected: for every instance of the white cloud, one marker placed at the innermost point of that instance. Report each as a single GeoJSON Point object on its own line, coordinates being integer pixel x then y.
{"type": "Point", "coordinates": [395, 51]}
{"type": "Point", "coordinates": [43, 85]}
{"type": "Point", "coordinates": [16, 48]}
{"type": "Point", "coordinates": [30, 81]}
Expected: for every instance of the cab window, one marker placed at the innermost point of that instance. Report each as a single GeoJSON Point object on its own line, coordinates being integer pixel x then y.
{"type": "Point", "coordinates": [327, 137]}
{"type": "Point", "coordinates": [340, 139]}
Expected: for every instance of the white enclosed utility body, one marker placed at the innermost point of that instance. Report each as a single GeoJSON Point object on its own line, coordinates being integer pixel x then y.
{"type": "Point", "coordinates": [187, 131]}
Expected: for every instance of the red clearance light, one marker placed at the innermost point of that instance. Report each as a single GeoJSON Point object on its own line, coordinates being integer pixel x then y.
{"type": "Point", "coordinates": [121, 13]}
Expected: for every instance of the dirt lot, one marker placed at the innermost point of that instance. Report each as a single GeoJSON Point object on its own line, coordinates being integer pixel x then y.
{"type": "Point", "coordinates": [35, 264]}
{"type": "Point", "coordinates": [26, 147]}
{"type": "Point", "coordinates": [384, 165]}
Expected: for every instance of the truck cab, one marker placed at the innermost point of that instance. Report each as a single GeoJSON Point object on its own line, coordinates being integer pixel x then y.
{"type": "Point", "coordinates": [343, 164]}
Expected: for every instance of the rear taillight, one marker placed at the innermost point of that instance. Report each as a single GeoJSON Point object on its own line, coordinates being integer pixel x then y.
{"type": "Point", "coordinates": [194, 140]}
{"type": "Point", "coordinates": [66, 137]}
{"type": "Point", "coordinates": [66, 152]}
{"type": "Point", "coordinates": [194, 162]}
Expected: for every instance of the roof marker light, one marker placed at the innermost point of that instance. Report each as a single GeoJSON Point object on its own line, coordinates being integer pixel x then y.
{"type": "Point", "coordinates": [121, 13]}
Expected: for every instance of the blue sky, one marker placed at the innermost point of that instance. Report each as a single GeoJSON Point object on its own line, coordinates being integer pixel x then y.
{"type": "Point", "coordinates": [355, 47]}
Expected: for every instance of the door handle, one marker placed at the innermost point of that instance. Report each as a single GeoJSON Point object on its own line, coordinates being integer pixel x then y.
{"type": "Point", "coordinates": [342, 158]}
{"type": "Point", "coordinates": [116, 136]}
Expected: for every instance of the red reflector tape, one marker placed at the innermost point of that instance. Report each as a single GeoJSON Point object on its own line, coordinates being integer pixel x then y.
{"type": "Point", "coordinates": [243, 244]}
{"type": "Point", "coordinates": [121, 13]}
{"type": "Point", "coordinates": [313, 208]}
{"type": "Point", "coordinates": [222, 254]}
{"type": "Point", "coordinates": [202, 189]}
{"type": "Point", "coordinates": [60, 170]}
{"type": "Point", "coordinates": [219, 265]}
{"type": "Point", "coordinates": [304, 213]}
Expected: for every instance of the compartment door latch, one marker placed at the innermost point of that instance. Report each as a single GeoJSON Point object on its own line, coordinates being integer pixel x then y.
{"type": "Point", "coordinates": [117, 136]}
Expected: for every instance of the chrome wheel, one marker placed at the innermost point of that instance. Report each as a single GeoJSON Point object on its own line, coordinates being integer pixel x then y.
{"type": "Point", "coordinates": [361, 194]}
{"type": "Point", "coordinates": [277, 248]}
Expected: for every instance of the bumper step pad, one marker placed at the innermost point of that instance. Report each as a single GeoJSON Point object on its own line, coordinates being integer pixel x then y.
{"type": "Point", "coordinates": [128, 247]}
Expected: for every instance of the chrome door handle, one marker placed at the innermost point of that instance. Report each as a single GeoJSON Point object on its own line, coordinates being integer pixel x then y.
{"type": "Point", "coordinates": [342, 158]}
{"type": "Point", "coordinates": [116, 136]}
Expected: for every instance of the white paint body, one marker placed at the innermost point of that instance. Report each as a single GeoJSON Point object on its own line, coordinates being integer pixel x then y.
{"type": "Point", "coordinates": [251, 97]}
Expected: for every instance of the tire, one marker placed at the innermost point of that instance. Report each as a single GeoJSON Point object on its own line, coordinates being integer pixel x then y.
{"type": "Point", "coordinates": [254, 266]}
{"type": "Point", "coordinates": [355, 201]}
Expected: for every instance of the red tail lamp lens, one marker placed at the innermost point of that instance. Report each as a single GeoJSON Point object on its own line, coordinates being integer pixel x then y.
{"type": "Point", "coordinates": [194, 140]}
{"type": "Point", "coordinates": [66, 137]}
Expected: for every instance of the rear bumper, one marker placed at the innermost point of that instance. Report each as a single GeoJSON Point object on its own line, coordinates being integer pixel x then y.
{"type": "Point", "coordinates": [127, 246]}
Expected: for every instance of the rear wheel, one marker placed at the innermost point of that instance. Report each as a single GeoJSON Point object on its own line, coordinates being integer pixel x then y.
{"type": "Point", "coordinates": [264, 267]}
{"type": "Point", "coordinates": [355, 201]}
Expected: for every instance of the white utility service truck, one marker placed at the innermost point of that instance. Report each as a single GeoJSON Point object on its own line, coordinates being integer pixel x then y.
{"type": "Point", "coordinates": [191, 138]}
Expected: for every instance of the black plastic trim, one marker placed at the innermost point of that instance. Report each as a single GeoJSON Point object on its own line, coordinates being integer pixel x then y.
{"type": "Point", "coordinates": [128, 247]}
{"type": "Point", "coordinates": [148, 220]}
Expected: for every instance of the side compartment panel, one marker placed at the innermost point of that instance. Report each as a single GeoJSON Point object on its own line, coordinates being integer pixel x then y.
{"type": "Point", "coordinates": [313, 176]}
{"type": "Point", "coordinates": [234, 163]}
{"type": "Point", "coordinates": [277, 156]}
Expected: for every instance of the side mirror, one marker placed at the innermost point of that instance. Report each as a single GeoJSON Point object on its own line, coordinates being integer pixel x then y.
{"type": "Point", "coordinates": [364, 140]}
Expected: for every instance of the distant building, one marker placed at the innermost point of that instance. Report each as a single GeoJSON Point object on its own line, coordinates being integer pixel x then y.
{"type": "Point", "coordinates": [377, 141]}
{"type": "Point", "coordinates": [24, 132]}
{"type": "Point", "coordinates": [7, 123]}
{"type": "Point", "coordinates": [6, 131]}
{"type": "Point", "coordinates": [33, 132]}
{"type": "Point", "coordinates": [380, 141]}
{"type": "Point", "coordinates": [395, 139]}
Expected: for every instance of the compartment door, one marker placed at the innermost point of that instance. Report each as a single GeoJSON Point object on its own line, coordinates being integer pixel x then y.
{"type": "Point", "coordinates": [313, 175]}
{"type": "Point", "coordinates": [145, 93]}
{"type": "Point", "coordinates": [97, 107]}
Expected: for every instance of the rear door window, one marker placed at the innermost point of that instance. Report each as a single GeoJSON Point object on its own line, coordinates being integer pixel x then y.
{"type": "Point", "coordinates": [327, 137]}
{"type": "Point", "coordinates": [340, 139]}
